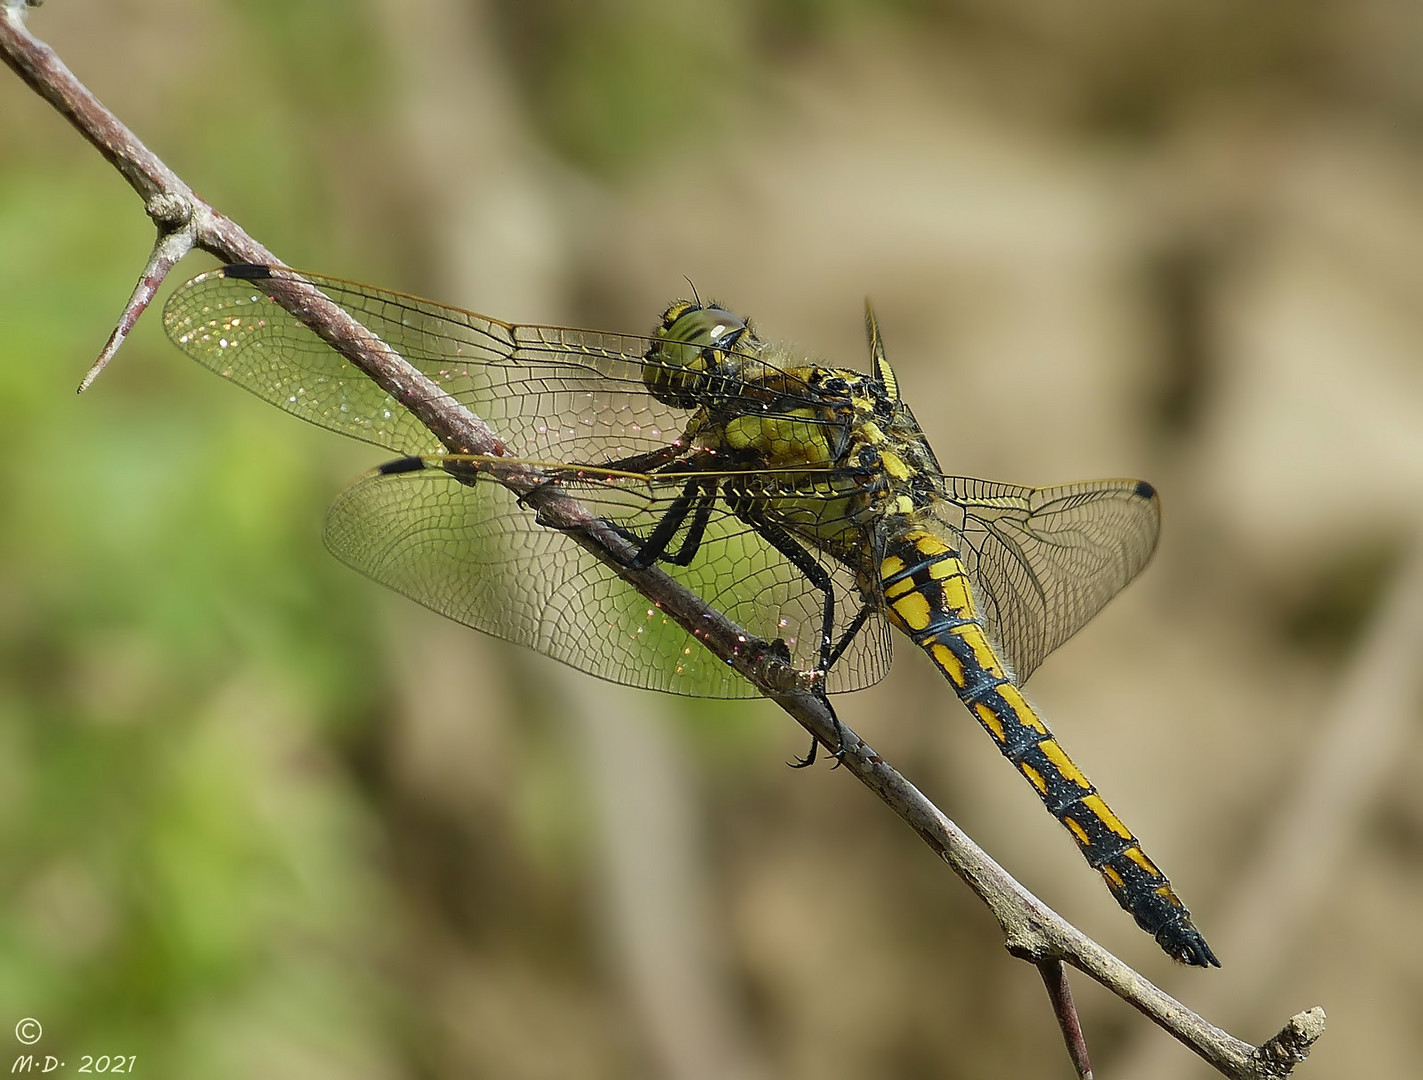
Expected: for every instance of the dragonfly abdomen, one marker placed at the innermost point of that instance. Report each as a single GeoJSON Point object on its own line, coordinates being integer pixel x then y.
{"type": "Point", "coordinates": [927, 591]}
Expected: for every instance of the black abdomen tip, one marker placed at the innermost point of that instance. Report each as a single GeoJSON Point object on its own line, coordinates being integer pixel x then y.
{"type": "Point", "coordinates": [1145, 490]}
{"type": "Point", "coordinates": [247, 271]}
{"type": "Point", "coordinates": [402, 465]}
{"type": "Point", "coordinates": [1188, 946]}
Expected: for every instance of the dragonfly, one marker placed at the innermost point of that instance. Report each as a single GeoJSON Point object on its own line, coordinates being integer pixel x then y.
{"type": "Point", "coordinates": [801, 500]}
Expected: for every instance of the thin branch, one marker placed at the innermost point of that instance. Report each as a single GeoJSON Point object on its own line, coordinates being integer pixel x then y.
{"type": "Point", "coordinates": [1059, 992]}
{"type": "Point", "coordinates": [1032, 930]}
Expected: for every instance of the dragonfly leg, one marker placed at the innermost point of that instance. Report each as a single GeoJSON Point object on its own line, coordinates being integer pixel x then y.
{"type": "Point", "coordinates": [649, 461]}
{"type": "Point", "coordinates": [696, 500]}
{"type": "Point", "coordinates": [840, 646]}
{"type": "Point", "coordinates": [656, 547]}
{"type": "Point", "coordinates": [809, 759]}
{"type": "Point", "coordinates": [819, 577]}
{"type": "Point", "coordinates": [848, 636]}
{"type": "Point", "coordinates": [839, 752]}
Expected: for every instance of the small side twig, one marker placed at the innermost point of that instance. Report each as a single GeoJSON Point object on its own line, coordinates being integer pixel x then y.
{"type": "Point", "coordinates": [1059, 992]}
{"type": "Point", "coordinates": [173, 216]}
{"type": "Point", "coordinates": [1032, 931]}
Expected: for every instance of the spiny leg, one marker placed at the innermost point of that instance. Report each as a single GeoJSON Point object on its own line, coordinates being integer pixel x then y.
{"type": "Point", "coordinates": [809, 759]}
{"type": "Point", "coordinates": [856, 624]}
{"type": "Point", "coordinates": [819, 577]}
{"type": "Point", "coordinates": [840, 646]}
{"type": "Point", "coordinates": [697, 500]}
{"type": "Point", "coordinates": [664, 461]}
{"type": "Point", "coordinates": [649, 461]}
{"type": "Point", "coordinates": [654, 549]}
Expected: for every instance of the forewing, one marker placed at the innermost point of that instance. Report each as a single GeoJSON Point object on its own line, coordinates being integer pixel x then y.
{"type": "Point", "coordinates": [467, 549]}
{"type": "Point", "coordinates": [552, 393]}
{"type": "Point", "coordinates": [1045, 560]}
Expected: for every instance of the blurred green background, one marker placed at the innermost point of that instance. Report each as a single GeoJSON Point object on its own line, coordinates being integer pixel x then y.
{"type": "Point", "coordinates": [258, 818]}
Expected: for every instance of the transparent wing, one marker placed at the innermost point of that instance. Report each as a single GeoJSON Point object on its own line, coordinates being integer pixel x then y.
{"type": "Point", "coordinates": [549, 392]}
{"type": "Point", "coordinates": [467, 549]}
{"type": "Point", "coordinates": [1045, 560]}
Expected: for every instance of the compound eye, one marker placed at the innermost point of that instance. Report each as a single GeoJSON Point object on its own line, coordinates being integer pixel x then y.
{"type": "Point", "coordinates": [704, 326]}
{"type": "Point", "coordinates": [723, 327]}
{"type": "Point", "coordinates": [693, 344]}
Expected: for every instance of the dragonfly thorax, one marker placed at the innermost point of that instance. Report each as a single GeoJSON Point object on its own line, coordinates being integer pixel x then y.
{"type": "Point", "coordinates": [841, 460]}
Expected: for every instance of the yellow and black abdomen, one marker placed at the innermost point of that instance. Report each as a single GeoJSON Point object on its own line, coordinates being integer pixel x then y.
{"type": "Point", "coordinates": [927, 590]}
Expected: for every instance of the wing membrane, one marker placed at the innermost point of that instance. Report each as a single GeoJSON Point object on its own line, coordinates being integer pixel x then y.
{"type": "Point", "coordinates": [550, 392]}
{"type": "Point", "coordinates": [1045, 560]}
{"type": "Point", "coordinates": [466, 548]}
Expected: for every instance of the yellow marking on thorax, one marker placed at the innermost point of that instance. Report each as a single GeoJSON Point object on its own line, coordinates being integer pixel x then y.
{"type": "Point", "coordinates": [789, 438]}
{"type": "Point", "coordinates": [894, 465]}
{"type": "Point", "coordinates": [871, 433]}
{"type": "Point", "coordinates": [927, 544]}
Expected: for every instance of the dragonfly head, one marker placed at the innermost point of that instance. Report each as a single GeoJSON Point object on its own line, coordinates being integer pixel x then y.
{"type": "Point", "coordinates": [691, 353]}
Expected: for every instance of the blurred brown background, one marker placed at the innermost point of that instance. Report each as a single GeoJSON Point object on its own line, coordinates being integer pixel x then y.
{"type": "Point", "coordinates": [258, 818]}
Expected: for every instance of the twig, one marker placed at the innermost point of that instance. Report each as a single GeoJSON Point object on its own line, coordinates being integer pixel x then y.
{"type": "Point", "coordinates": [173, 216]}
{"type": "Point", "coordinates": [1059, 992]}
{"type": "Point", "coordinates": [1032, 931]}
